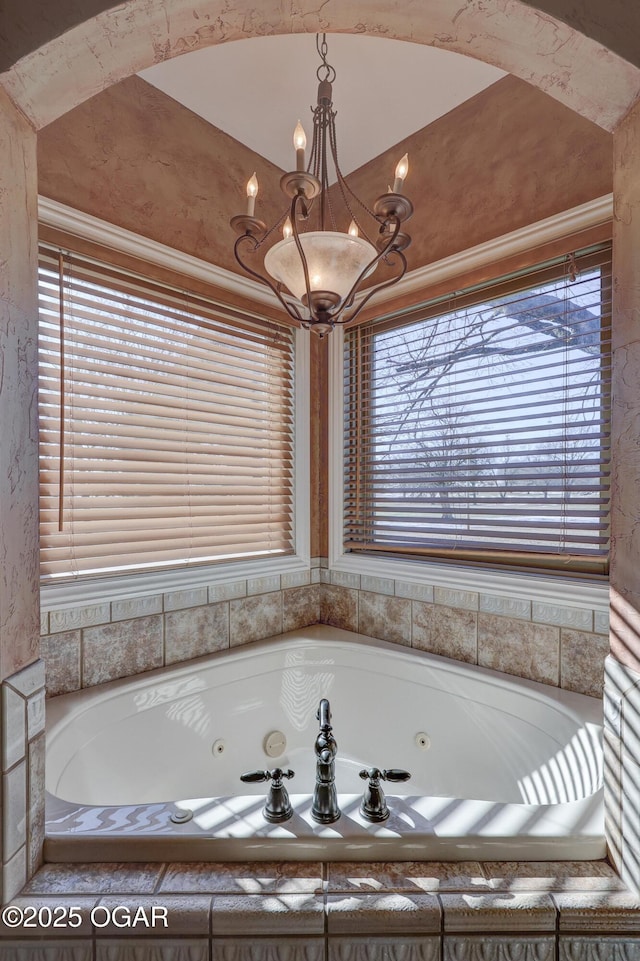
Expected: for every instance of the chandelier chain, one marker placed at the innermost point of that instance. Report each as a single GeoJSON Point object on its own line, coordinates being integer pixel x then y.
{"type": "Point", "coordinates": [323, 50]}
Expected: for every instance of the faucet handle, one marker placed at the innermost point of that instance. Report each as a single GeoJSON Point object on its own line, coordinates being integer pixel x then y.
{"type": "Point", "coordinates": [374, 805]}
{"type": "Point", "coordinates": [255, 777]}
{"type": "Point", "coordinates": [278, 807]}
{"type": "Point", "coordinates": [395, 774]}
{"type": "Point", "coordinates": [391, 774]}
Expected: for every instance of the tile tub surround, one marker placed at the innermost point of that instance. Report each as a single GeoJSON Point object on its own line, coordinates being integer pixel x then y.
{"type": "Point", "coordinates": [389, 911]}
{"type": "Point", "coordinates": [559, 645]}
{"type": "Point", "coordinates": [23, 752]}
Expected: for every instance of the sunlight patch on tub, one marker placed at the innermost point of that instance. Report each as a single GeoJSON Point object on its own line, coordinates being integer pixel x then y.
{"type": "Point", "coordinates": [168, 691]}
{"type": "Point", "coordinates": [573, 773]}
{"type": "Point", "coordinates": [301, 691]}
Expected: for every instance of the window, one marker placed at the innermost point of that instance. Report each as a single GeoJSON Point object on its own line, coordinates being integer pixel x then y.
{"type": "Point", "coordinates": [477, 427]}
{"type": "Point", "coordinates": [166, 426]}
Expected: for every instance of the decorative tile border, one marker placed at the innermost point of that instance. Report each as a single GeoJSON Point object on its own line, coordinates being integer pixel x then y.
{"type": "Point", "coordinates": [418, 912]}
{"type": "Point", "coordinates": [554, 644]}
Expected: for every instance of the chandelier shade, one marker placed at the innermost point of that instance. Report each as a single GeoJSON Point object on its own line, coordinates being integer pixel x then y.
{"type": "Point", "coordinates": [335, 261]}
{"type": "Point", "coordinates": [321, 275]}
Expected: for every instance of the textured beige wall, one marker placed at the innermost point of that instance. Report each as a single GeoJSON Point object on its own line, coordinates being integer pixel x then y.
{"type": "Point", "coordinates": [136, 158]}
{"type": "Point", "coordinates": [625, 480]}
{"type": "Point", "coordinates": [19, 584]}
{"type": "Point", "coordinates": [81, 62]}
{"type": "Point", "coordinates": [506, 158]}
{"type": "Point", "coordinates": [613, 23]}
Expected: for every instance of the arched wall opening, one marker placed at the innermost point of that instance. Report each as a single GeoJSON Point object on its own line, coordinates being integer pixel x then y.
{"type": "Point", "coordinates": [90, 57]}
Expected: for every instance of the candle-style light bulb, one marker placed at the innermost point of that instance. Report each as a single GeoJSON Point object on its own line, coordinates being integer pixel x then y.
{"type": "Point", "coordinates": [252, 192]}
{"type": "Point", "coordinates": [287, 229]}
{"type": "Point", "coordinates": [402, 169]}
{"type": "Point", "coordinates": [353, 229]}
{"type": "Point", "coordinates": [299, 142]}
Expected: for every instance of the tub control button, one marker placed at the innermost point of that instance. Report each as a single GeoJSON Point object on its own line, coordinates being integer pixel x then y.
{"type": "Point", "coordinates": [275, 744]}
{"type": "Point", "coordinates": [217, 748]}
{"type": "Point", "coordinates": [181, 817]}
{"type": "Point", "coordinates": [423, 741]}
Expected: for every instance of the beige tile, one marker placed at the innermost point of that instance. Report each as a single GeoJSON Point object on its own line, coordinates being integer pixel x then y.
{"type": "Point", "coordinates": [226, 592]}
{"type": "Point", "coordinates": [295, 579]}
{"type": "Point", "coordinates": [386, 913]}
{"type": "Point", "coordinates": [255, 617]}
{"type": "Point", "coordinates": [451, 597]}
{"type": "Point", "coordinates": [195, 631]}
{"type": "Point", "coordinates": [14, 720]}
{"type": "Point", "coordinates": [58, 950]}
{"type": "Point", "coordinates": [575, 617]}
{"type": "Point", "coordinates": [90, 878]}
{"type": "Point", "coordinates": [345, 579]}
{"type": "Point", "coordinates": [608, 912]}
{"type": "Point", "coordinates": [169, 916]}
{"type": "Point", "coordinates": [582, 658]}
{"type": "Point", "coordinates": [601, 622]}
{"type": "Point", "coordinates": [339, 607]}
{"type": "Point", "coordinates": [266, 949]}
{"type": "Point", "coordinates": [129, 607]}
{"type": "Point", "coordinates": [499, 913]}
{"type": "Point", "coordinates": [511, 947]}
{"type": "Point", "coordinates": [14, 876]}
{"type": "Point", "coordinates": [122, 649]}
{"type": "Point", "coordinates": [249, 915]}
{"type": "Point", "coordinates": [519, 647]}
{"type": "Point", "coordinates": [29, 680]}
{"type": "Point", "coordinates": [416, 592]}
{"type": "Point", "coordinates": [260, 877]}
{"type": "Point", "coordinates": [154, 949]}
{"type": "Point", "coordinates": [300, 607]}
{"type": "Point", "coordinates": [78, 617]}
{"type": "Point", "coordinates": [35, 714]}
{"type": "Point", "coordinates": [416, 876]}
{"type": "Point", "coordinates": [597, 948]}
{"type": "Point", "coordinates": [450, 631]}
{"type": "Point", "coordinates": [425, 948]}
{"type": "Point", "coordinates": [14, 810]}
{"type": "Point", "coordinates": [551, 876]}
{"type": "Point", "coordinates": [61, 655]}
{"type": "Point", "coordinates": [377, 585]}
{"type": "Point", "coordinates": [388, 618]}
{"type": "Point", "coordinates": [263, 585]}
{"type": "Point", "coordinates": [508, 606]}
{"type": "Point", "coordinates": [35, 800]}
{"type": "Point", "coordinates": [179, 600]}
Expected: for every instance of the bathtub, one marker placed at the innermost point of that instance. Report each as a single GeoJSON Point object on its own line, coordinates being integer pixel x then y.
{"type": "Point", "coordinates": [501, 768]}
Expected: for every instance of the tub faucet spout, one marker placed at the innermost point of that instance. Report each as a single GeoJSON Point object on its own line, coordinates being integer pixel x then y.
{"type": "Point", "coordinates": [325, 796]}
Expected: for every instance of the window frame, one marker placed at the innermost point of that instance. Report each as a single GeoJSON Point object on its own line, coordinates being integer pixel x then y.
{"type": "Point", "coordinates": [85, 590]}
{"type": "Point", "coordinates": [378, 572]}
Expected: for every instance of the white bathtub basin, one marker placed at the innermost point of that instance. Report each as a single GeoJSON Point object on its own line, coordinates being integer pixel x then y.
{"type": "Point", "coordinates": [513, 770]}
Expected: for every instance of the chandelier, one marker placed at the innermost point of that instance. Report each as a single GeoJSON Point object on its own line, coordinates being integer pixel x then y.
{"type": "Point", "coordinates": [335, 252]}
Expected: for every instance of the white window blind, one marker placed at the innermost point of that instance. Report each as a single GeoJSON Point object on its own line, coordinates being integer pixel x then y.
{"type": "Point", "coordinates": [477, 427]}
{"type": "Point", "coordinates": [166, 426]}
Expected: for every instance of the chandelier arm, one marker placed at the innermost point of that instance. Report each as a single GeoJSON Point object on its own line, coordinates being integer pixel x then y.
{"type": "Point", "coordinates": [348, 300]}
{"type": "Point", "coordinates": [290, 308]}
{"type": "Point", "coordinates": [305, 268]}
{"type": "Point", "coordinates": [377, 289]}
{"type": "Point", "coordinates": [344, 186]}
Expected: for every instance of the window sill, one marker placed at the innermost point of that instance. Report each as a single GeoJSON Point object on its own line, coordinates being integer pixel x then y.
{"type": "Point", "coordinates": [85, 591]}
{"type": "Point", "coordinates": [543, 588]}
